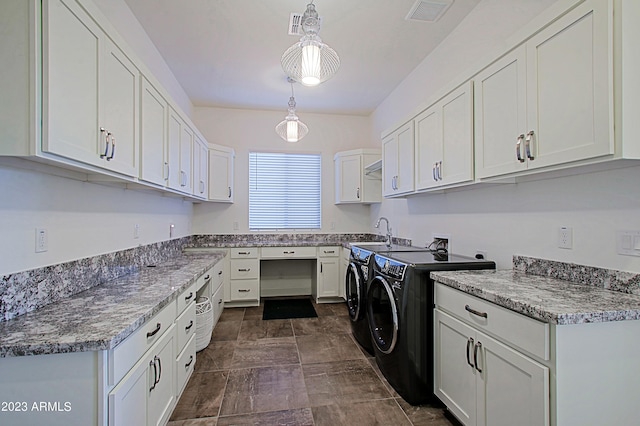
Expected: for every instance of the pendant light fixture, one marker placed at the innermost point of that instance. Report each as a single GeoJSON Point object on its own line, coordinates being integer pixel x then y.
{"type": "Point", "coordinates": [291, 129]}
{"type": "Point", "coordinates": [310, 61]}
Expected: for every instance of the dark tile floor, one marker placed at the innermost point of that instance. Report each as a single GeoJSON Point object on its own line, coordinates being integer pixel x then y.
{"type": "Point", "coordinates": [291, 372]}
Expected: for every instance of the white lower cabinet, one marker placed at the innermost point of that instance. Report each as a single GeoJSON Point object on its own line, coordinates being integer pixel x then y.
{"type": "Point", "coordinates": [328, 268]}
{"type": "Point", "coordinates": [484, 382]}
{"type": "Point", "coordinates": [146, 395]}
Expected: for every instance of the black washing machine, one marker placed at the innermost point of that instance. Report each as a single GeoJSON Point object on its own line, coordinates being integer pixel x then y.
{"type": "Point", "coordinates": [400, 314]}
{"type": "Point", "coordinates": [357, 284]}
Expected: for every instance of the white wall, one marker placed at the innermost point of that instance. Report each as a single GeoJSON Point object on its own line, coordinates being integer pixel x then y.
{"type": "Point", "coordinates": [246, 130]}
{"type": "Point", "coordinates": [82, 219]}
{"type": "Point", "coordinates": [513, 219]}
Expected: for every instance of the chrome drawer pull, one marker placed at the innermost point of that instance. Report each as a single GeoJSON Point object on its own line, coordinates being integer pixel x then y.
{"type": "Point", "coordinates": [155, 374]}
{"type": "Point", "coordinates": [244, 290]}
{"type": "Point", "coordinates": [154, 332]}
{"type": "Point", "coordinates": [474, 312]}
{"type": "Point", "coordinates": [188, 297]}
{"type": "Point", "coordinates": [288, 252]}
{"type": "Point", "coordinates": [189, 326]}
{"type": "Point", "coordinates": [244, 270]}
{"type": "Point", "coordinates": [243, 252]}
{"type": "Point", "coordinates": [527, 145]}
{"type": "Point", "coordinates": [207, 278]}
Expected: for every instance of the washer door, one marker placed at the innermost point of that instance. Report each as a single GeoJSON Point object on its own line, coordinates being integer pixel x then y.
{"type": "Point", "coordinates": [355, 293]}
{"type": "Point", "coordinates": [383, 314]}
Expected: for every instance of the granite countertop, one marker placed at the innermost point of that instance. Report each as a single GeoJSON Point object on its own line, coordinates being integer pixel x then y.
{"type": "Point", "coordinates": [103, 316]}
{"type": "Point", "coordinates": [543, 298]}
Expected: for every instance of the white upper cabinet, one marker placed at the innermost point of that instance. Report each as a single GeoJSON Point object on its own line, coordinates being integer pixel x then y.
{"type": "Point", "coordinates": [398, 161]}
{"type": "Point", "coordinates": [221, 173]}
{"type": "Point", "coordinates": [180, 145]}
{"type": "Point", "coordinates": [548, 101]}
{"type": "Point", "coordinates": [90, 92]}
{"type": "Point", "coordinates": [353, 183]}
{"type": "Point", "coordinates": [444, 141]}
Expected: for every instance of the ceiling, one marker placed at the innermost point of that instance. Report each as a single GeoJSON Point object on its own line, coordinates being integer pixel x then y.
{"type": "Point", "coordinates": [226, 53]}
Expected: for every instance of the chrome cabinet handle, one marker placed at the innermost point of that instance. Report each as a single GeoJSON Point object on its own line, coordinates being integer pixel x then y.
{"type": "Point", "coordinates": [358, 193]}
{"type": "Point", "coordinates": [152, 363]}
{"type": "Point", "coordinates": [470, 342]}
{"type": "Point", "coordinates": [519, 148]}
{"type": "Point", "coordinates": [187, 328]}
{"type": "Point", "coordinates": [157, 358]}
{"type": "Point", "coordinates": [113, 148]}
{"type": "Point", "coordinates": [201, 187]}
{"type": "Point", "coordinates": [166, 171]}
{"type": "Point", "coordinates": [433, 172]}
{"type": "Point", "coordinates": [474, 312]}
{"type": "Point", "coordinates": [527, 145]}
{"type": "Point", "coordinates": [183, 178]}
{"type": "Point", "coordinates": [439, 170]}
{"type": "Point", "coordinates": [106, 140]}
{"type": "Point", "coordinates": [244, 290]}
{"type": "Point", "coordinates": [154, 332]}
{"type": "Point", "coordinates": [187, 365]}
{"type": "Point", "coordinates": [229, 192]}
{"type": "Point", "coordinates": [477, 346]}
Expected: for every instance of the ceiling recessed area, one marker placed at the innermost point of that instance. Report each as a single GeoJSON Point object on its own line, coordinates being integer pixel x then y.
{"type": "Point", "coordinates": [226, 53]}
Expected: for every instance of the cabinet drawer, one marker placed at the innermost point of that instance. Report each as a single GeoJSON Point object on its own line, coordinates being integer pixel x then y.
{"type": "Point", "coordinates": [329, 251]}
{"type": "Point", "coordinates": [188, 296]}
{"type": "Point", "coordinates": [245, 269]}
{"type": "Point", "coordinates": [217, 301]}
{"type": "Point", "coordinates": [512, 328]}
{"type": "Point", "coordinates": [244, 253]}
{"type": "Point", "coordinates": [288, 252]}
{"type": "Point", "coordinates": [217, 276]}
{"type": "Point", "coordinates": [185, 363]}
{"type": "Point", "coordinates": [204, 279]}
{"type": "Point", "coordinates": [185, 326]}
{"type": "Point", "coordinates": [245, 289]}
{"type": "Point", "coordinates": [127, 353]}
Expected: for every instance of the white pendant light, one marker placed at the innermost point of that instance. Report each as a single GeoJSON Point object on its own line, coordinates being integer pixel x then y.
{"type": "Point", "coordinates": [310, 61]}
{"type": "Point", "coordinates": [291, 129]}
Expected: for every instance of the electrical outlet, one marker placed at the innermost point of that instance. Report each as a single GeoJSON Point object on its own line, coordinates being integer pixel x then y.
{"type": "Point", "coordinates": [565, 237]}
{"type": "Point", "coordinates": [136, 231]}
{"type": "Point", "coordinates": [42, 240]}
{"type": "Point", "coordinates": [235, 226]}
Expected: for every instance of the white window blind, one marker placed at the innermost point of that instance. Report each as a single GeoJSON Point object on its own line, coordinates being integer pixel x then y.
{"type": "Point", "coordinates": [284, 191]}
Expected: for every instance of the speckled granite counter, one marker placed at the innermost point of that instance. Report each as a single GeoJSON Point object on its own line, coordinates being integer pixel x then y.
{"type": "Point", "coordinates": [285, 240]}
{"type": "Point", "coordinates": [103, 316]}
{"type": "Point", "coordinates": [545, 298]}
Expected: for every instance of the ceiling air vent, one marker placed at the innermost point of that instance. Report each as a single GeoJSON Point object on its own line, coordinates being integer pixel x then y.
{"type": "Point", "coordinates": [295, 23]}
{"type": "Point", "coordinates": [428, 10]}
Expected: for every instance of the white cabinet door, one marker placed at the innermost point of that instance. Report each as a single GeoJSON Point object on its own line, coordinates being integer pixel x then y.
{"type": "Point", "coordinates": [512, 389]}
{"type": "Point", "coordinates": [161, 373]}
{"type": "Point", "coordinates": [173, 150]}
{"type": "Point", "coordinates": [398, 161]}
{"type": "Point", "coordinates": [153, 125]}
{"type": "Point", "coordinates": [348, 178]}
{"type": "Point", "coordinates": [71, 62]}
{"type": "Point", "coordinates": [455, 374]}
{"type": "Point", "coordinates": [500, 115]}
{"type": "Point", "coordinates": [457, 136]}
{"type": "Point", "coordinates": [128, 400]}
{"type": "Point", "coordinates": [220, 175]}
{"type": "Point", "coordinates": [217, 302]}
{"type": "Point", "coordinates": [428, 127]}
{"type": "Point", "coordinates": [568, 87]}
{"type": "Point", "coordinates": [200, 168]}
{"type": "Point", "coordinates": [119, 89]}
{"type": "Point", "coordinates": [186, 156]}
{"type": "Point", "coordinates": [328, 277]}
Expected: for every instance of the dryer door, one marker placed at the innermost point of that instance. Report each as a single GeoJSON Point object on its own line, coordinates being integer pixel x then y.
{"type": "Point", "coordinates": [383, 314]}
{"type": "Point", "coordinates": [355, 291]}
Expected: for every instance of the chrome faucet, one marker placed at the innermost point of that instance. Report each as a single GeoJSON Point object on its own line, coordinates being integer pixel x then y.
{"type": "Point", "coordinates": [388, 242]}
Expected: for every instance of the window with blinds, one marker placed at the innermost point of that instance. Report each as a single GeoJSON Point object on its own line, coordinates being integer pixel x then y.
{"type": "Point", "coordinates": [284, 191]}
